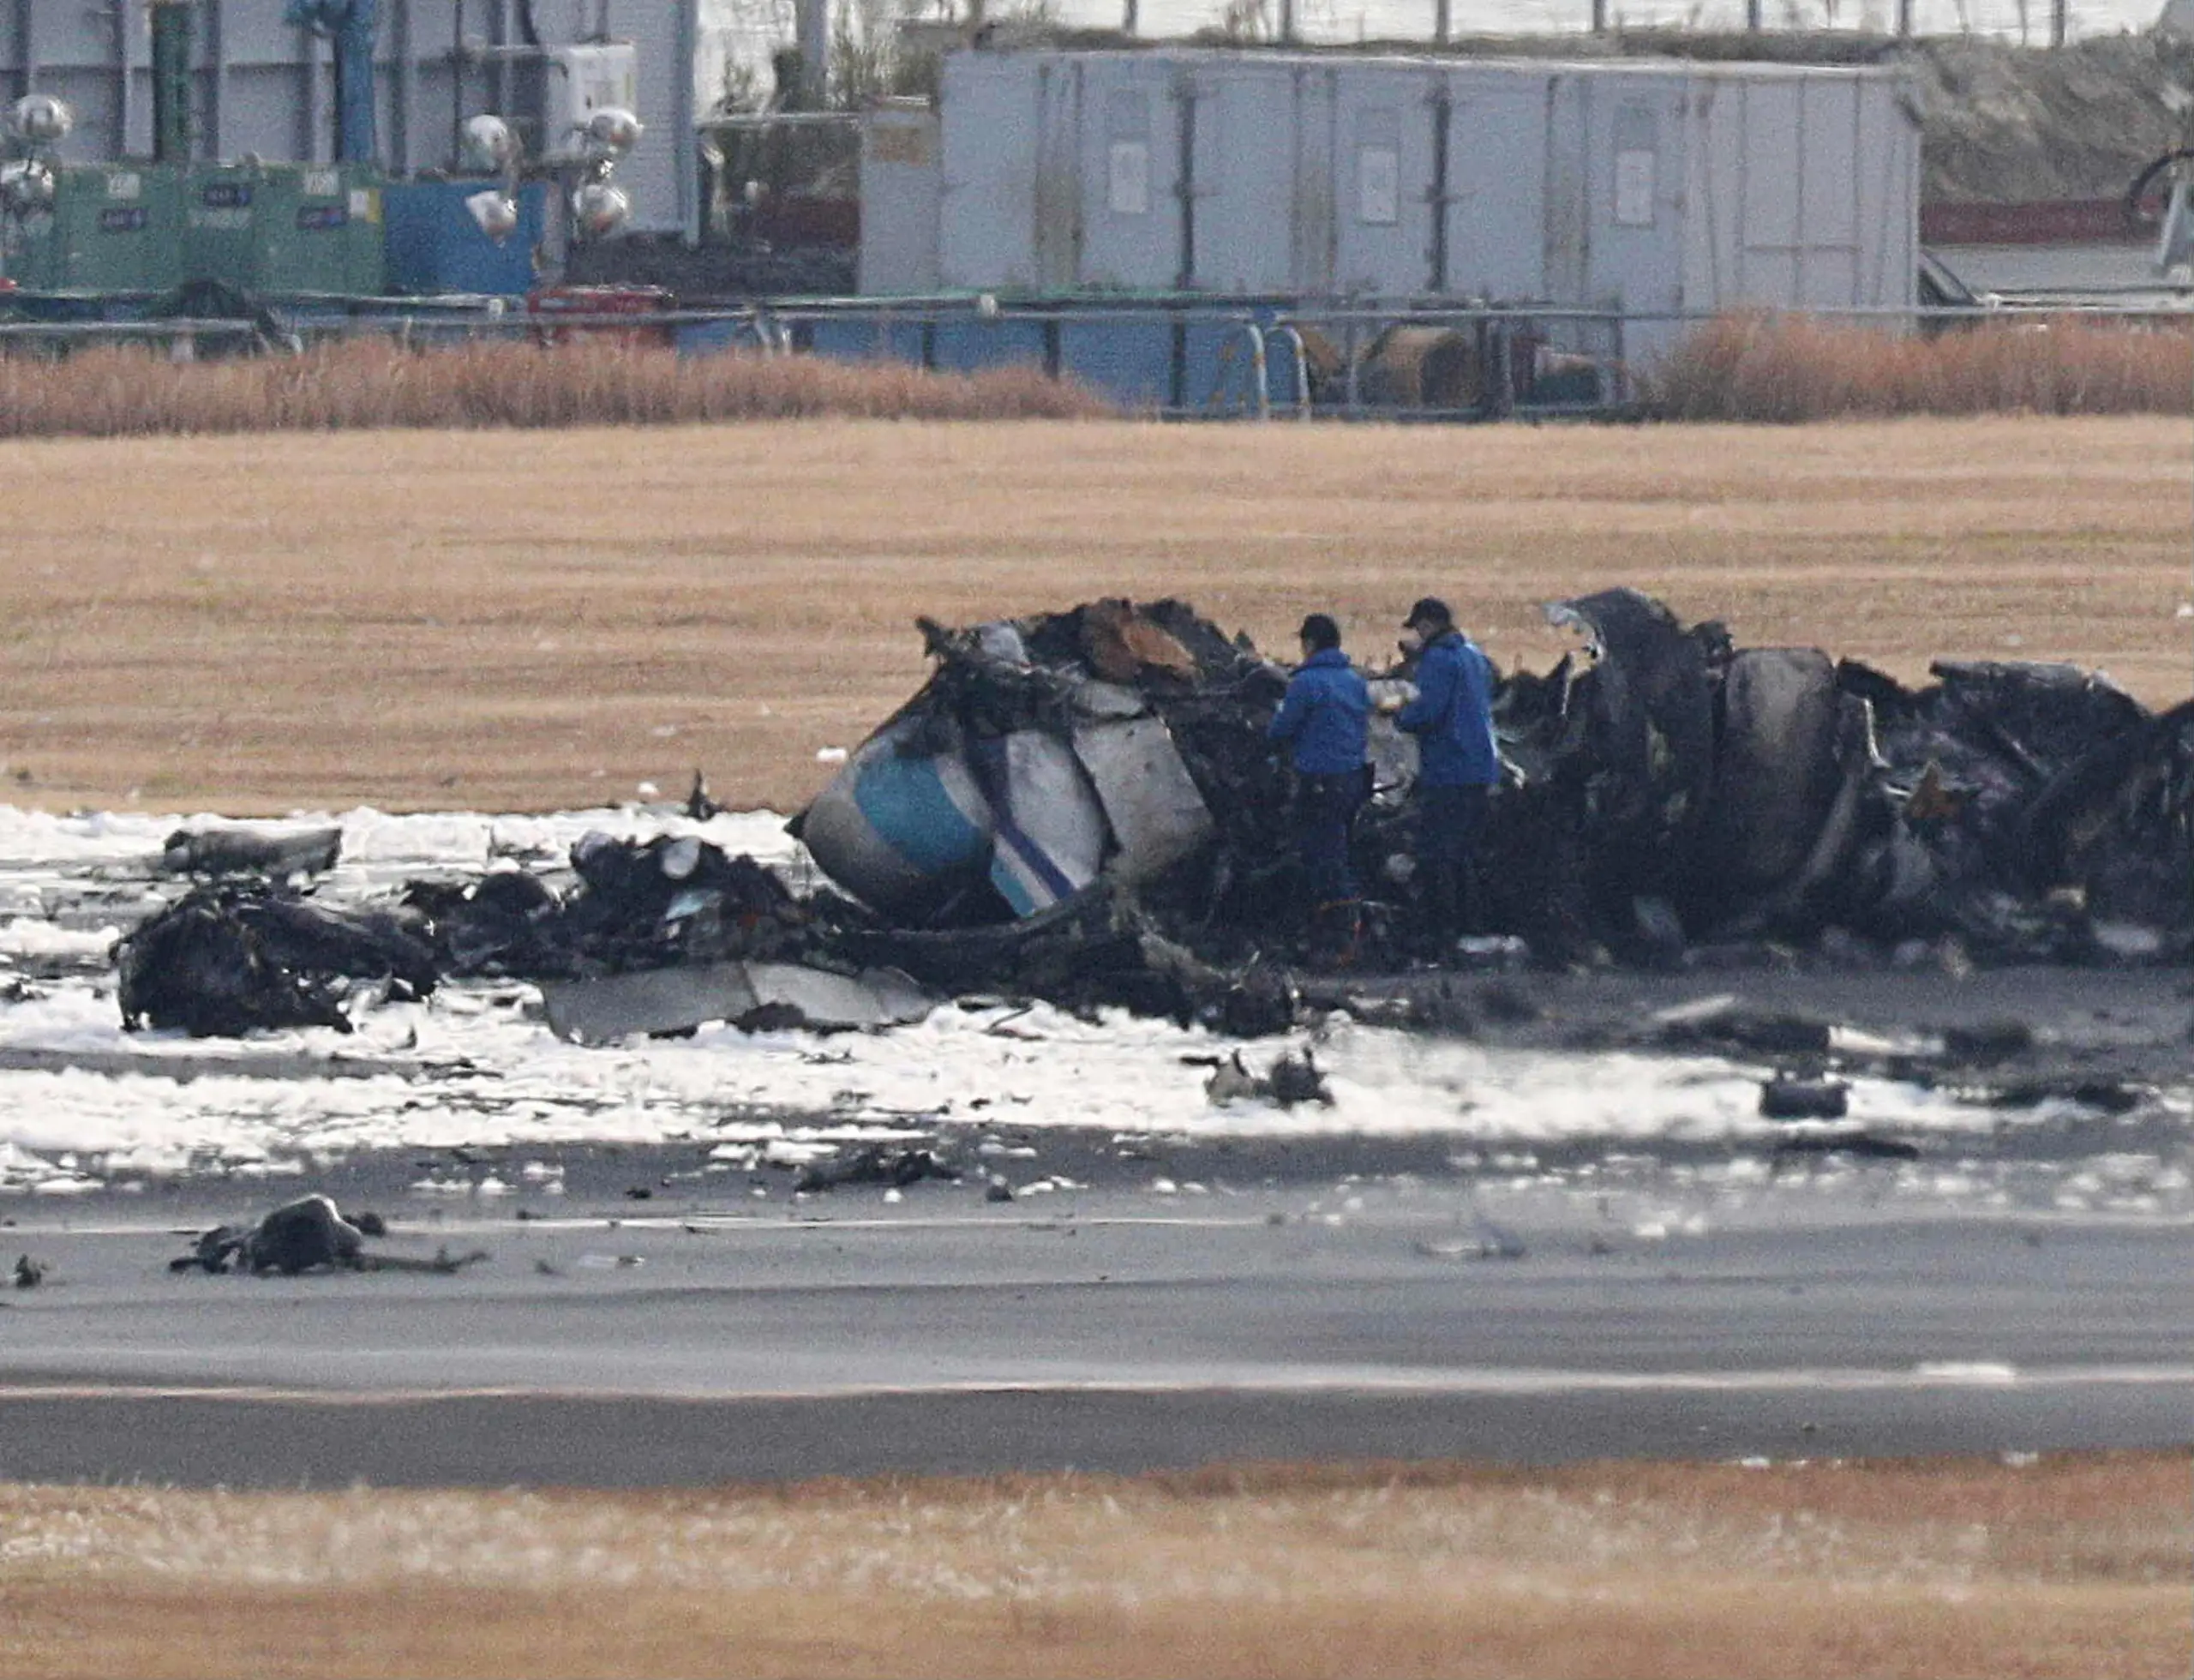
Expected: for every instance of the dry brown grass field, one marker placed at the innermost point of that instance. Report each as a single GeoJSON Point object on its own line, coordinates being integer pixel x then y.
{"type": "Point", "coordinates": [527, 620]}
{"type": "Point", "coordinates": [2077, 1565]}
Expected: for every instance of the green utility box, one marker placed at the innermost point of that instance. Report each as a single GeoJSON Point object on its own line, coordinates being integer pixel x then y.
{"type": "Point", "coordinates": [112, 227]}
{"type": "Point", "coordinates": [283, 229]}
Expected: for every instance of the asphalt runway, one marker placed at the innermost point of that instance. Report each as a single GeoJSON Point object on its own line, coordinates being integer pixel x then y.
{"type": "Point", "coordinates": [1375, 1316]}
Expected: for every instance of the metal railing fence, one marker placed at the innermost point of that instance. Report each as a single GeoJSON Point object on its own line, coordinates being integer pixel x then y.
{"type": "Point", "coordinates": [1258, 358]}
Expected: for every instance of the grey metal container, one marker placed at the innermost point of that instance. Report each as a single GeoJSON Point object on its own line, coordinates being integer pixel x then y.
{"type": "Point", "coordinates": [1651, 188]}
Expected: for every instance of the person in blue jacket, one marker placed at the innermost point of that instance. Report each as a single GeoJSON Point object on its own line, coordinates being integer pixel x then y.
{"type": "Point", "coordinates": [1457, 763]}
{"type": "Point", "coordinates": [1326, 715]}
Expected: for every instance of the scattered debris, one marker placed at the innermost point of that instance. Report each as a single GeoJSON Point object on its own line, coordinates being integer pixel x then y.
{"type": "Point", "coordinates": [1289, 1080]}
{"type": "Point", "coordinates": [888, 1165]}
{"type": "Point", "coordinates": [246, 851]}
{"type": "Point", "coordinates": [1081, 806]}
{"type": "Point", "coordinates": [29, 1273]}
{"type": "Point", "coordinates": [1788, 1098]}
{"type": "Point", "coordinates": [760, 997]}
{"type": "Point", "coordinates": [231, 959]}
{"type": "Point", "coordinates": [309, 1234]}
{"type": "Point", "coordinates": [1988, 1041]}
{"type": "Point", "coordinates": [1727, 1027]}
{"type": "Point", "coordinates": [2110, 1096]}
{"type": "Point", "coordinates": [633, 905]}
{"type": "Point", "coordinates": [1863, 1144]}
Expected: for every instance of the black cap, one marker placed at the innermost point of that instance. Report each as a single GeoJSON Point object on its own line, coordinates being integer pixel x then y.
{"type": "Point", "coordinates": [1429, 610]}
{"type": "Point", "coordinates": [1320, 631]}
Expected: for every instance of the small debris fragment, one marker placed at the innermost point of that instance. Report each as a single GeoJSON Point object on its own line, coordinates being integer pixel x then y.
{"type": "Point", "coordinates": [1988, 1041]}
{"type": "Point", "coordinates": [1783, 1099]}
{"type": "Point", "coordinates": [882, 1164]}
{"type": "Point", "coordinates": [29, 1273]}
{"type": "Point", "coordinates": [1864, 1145]}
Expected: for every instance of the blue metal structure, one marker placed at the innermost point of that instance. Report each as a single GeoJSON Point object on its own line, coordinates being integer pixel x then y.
{"type": "Point", "coordinates": [350, 26]}
{"type": "Point", "coordinates": [435, 247]}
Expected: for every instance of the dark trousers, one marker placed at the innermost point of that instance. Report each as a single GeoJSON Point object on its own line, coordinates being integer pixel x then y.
{"type": "Point", "coordinates": [1325, 808]}
{"type": "Point", "coordinates": [1449, 823]}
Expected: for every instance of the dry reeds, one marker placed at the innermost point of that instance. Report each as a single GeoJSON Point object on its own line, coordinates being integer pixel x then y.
{"type": "Point", "coordinates": [1790, 369]}
{"type": "Point", "coordinates": [131, 392]}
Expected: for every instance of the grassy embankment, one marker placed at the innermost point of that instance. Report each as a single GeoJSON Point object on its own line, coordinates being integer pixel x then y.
{"type": "Point", "coordinates": [511, 620]}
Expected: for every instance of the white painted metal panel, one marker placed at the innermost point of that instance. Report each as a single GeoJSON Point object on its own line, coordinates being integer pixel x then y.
{"type": "Point", "coordinates": [1057, 236]}
{"type": "Point", "coordinates": [1767, 208]}
{"type": "Point", "coordinates": [1711, 182]}
{"type": "Point", "coordinates": [900, 173]}
{"type": "Point", "coordinates": [1312, 213]}
{"type": "Point", "coordinates": [1496, 184]}
{"type": "Point", "coordinates": [987, 195]}
{"type": "Point", "coordinates": [1565, 235]}
{"type": "Point", "coordinates": [1828, 214]}
{"type": "Point", "coordinates": [1243, 165]}
{"type": "Point", "coordinates": [1637, 139]}
{"type": "Point", "coordinates": [1888, 171]}
{"type": "Point", "coordinates": [1383, 179]}
{"type": "Point", "coordinates": [1130, 204]}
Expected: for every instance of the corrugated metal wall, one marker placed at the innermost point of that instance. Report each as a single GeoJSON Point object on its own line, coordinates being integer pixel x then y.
{"type": "Point", "coordinates": [1644, 187]}
{"type": "Point", "coordinates": [266, 88]}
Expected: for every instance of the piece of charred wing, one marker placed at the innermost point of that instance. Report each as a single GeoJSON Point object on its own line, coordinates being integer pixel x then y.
{"type": "Point", "coordinates": [245, 851]}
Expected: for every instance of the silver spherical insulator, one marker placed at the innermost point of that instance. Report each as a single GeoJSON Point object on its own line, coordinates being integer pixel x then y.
{"type": "Point", "coordinates": [496, 213]}
{"type": "Point", "coordinates": [40, 119]}
{"type": "Point", "coordinates": [489, 143]}
{"type": "Point", "coordinates": [25, 187]}
{"type": "Point", "coordinates": [599, 209]}
{"type": "Point", "coordinates": [613, 132]}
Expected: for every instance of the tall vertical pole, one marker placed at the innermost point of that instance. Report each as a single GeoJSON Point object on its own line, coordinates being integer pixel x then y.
{"type": "Point", "coordinates": [1288, 21]}
{"type": "Point", "coordinates": [1131, 16]}
{"type": "Point", "coordinates": [1905, 19]}
{"type": "Point", "coordinates": [1753, 20]}
{"type": "Point", "coordinates": [1599, 17]}
{"type": "Point", "coordinates": [171, 21]}
{"type": "Point", "coordinates": [2060, 22]}
{"type": "Point", "coordinates": [1440, 30]}
{"type": "Point", "coordinates": [812, 35]}
{"type": "Point", "coordinates": [25, 51]}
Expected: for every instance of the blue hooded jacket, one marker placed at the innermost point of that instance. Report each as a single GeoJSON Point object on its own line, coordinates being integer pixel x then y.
{"type": "Point", "coordinates": [1452, 716]}
{"type": "Point", "coordinates": [1325, 715]}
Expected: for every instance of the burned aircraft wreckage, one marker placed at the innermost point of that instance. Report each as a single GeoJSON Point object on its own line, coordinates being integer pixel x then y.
{"type": "Point", "coordinates": [1081, 806]}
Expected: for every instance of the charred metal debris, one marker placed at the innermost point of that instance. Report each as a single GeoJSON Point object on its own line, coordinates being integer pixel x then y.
{"type": "Point", "coordinates": [310, 1234]}
{"type": "Point", "coordinates": [1081, 806]}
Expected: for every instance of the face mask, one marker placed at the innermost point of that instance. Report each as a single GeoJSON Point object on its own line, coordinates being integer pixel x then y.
{"type": "Point", "coordinates": [1412, 642]}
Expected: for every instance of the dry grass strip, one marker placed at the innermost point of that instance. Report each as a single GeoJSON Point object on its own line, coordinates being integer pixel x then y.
{"type": "Point", "coordinates": [1794, 368]}
{"type": "Point", "coordinates": [132, 391]}
{"type": "Point", "coordinates": [2078, 1565]}
{"type": "Point", "coordinates": [505, 620]}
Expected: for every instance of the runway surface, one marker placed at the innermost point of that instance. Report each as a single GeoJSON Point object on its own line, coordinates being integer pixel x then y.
{"type": "Point", "coordinates": [1384, 1310]}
